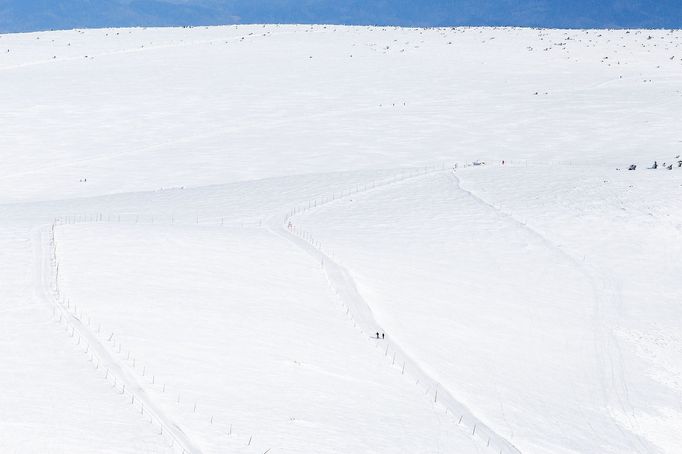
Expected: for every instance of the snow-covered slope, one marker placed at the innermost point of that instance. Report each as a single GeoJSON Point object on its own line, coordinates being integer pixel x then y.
{"type": "Point", "coordinates": [243, 325]}
{"type": "Point", "coordinates": [53, 399]}
{"type": "Point", "coordinates": [238, 210]}
{"type": "Point", "coordinates": [536, 336]}
{"type": "Point", "coordinates": [141, 109]}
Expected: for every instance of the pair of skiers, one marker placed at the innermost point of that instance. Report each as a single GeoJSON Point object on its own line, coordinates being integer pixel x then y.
{"type": "Point", "coordinates": [382, 335]}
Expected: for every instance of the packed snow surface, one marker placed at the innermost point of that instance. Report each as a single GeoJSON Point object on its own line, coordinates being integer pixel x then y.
{"type": "Point", "coordinates": [203, 231]}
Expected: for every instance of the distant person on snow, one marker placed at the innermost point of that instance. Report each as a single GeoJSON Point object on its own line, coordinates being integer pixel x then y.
{"type": "Point", "coordinates": [383, 335]}
{"type": "Point", "coordinates": [377, 334]}
{"type": "Point", "coordinates": [655, 166]}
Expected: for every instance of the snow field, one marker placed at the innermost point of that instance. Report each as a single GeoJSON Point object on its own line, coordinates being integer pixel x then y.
{"type": "Point", "coordinates": [190, 109]}
{"type": "Point", "coordinates": [633, 248]}
{"type": "Point", "coordinates": [52, 399]}
{"type": "Point", "coordinates": [244, 326]}
{"type": "Point", "coordinates": [545, 318]}
{"type": "Point", "coordinates": [542, 298]}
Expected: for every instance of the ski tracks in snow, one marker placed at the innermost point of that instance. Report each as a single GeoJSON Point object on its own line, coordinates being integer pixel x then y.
{"type": "Point", "coordinates": [43, 242]}
{"type": "Point", "coordinates": [607, 348]}
{"type": "Point", "coordinates": [361, 312]}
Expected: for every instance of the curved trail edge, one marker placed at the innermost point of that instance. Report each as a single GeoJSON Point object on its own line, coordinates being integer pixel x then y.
{"type": "Point", "coordinates": [343, 283]}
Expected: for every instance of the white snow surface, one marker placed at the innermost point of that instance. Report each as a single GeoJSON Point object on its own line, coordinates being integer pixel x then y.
{"type": "Point", "coordinates": [202, 230]}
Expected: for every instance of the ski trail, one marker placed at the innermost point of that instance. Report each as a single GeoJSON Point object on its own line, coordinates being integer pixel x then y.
{"type": "Point", "coordinates": [43, 242]}
{"type": "Point", "coordinates": [344, 285]}
{"type": "Point", "coordinates": [607, 347]}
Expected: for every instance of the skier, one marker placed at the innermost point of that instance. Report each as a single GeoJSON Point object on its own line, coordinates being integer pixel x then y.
{"type": "Point", "coordinates": [377, 334]}
{"type": "Point", "coordinates": [383, 335]}
{"type": "Point", "coordinates": [655, 166]}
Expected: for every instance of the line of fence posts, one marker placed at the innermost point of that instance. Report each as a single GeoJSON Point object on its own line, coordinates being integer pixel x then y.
{"type": "Point", "coordinates": [99, 217]}
{"type": "Point", "coordinates": [154, 219]}
{"type": "Point", "coordinates": [308, 237]}
{"type": "Point", "coordinates": [64, 309]}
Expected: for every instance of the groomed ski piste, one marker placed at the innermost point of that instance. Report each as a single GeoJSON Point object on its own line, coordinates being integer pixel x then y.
{"type": "Point", "coordinates": [324, 239]}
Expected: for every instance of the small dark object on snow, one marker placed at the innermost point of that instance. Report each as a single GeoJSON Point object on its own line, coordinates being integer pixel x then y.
{"type": "Point", "coordinates": [633, 167]}
{"type": "Point", "coordinates": [377, 335]}
{"type": "Point", "coordinates": [383, 335]}
{"type": "Point", "coordinates": [679, 163]}
{"type": "Point", "coordinates": [670, 167]}
{"type": "Point", "coordinates": [655, 166]}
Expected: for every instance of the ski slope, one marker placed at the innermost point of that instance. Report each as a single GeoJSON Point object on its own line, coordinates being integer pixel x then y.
{"type": "Point", "coordinates": [203, 229]}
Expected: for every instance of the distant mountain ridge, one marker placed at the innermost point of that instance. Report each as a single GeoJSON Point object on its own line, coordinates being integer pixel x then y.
{"type": "Point", "coordinates": [32, 15]}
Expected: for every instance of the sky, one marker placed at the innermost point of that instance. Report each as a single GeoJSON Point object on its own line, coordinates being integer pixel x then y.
{"type": "Point", "coordinates": [32, 15]}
